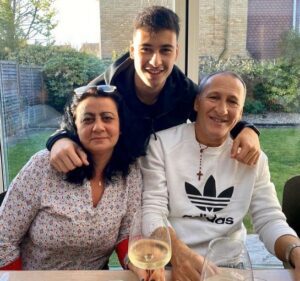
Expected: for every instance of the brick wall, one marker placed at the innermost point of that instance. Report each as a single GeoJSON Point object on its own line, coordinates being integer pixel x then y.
{"type": "Point", "coordinates": [228, 28]}
{"type": "Point", "coordinates": [117, 21]}
{"type": "Point", "coordinates": [223, 26]}
{"type": "Point", "coordinates": [267, 19]}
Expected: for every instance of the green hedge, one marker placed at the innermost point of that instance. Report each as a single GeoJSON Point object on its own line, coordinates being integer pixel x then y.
{"type": "Point", "coordinates": [67, 70]}
{"type": "Point", "coordinates": [64, 69]}
{"type": "Point", "coordinates": [272, 85]}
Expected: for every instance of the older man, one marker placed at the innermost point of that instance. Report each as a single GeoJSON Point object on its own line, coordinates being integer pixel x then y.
{"type": "Point", "coordinates": [189, 176]}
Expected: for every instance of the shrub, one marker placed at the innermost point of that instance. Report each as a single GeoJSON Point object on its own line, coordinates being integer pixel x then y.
{"type": "Point", "coordinates": [64, 69]}
{"type": "Point", "coordinates": [242, 66]}
{"type": "Point", "coordinates": [254, 106]}
{"type": "Point", "coordinates": [34, 54]}
{"type": "Point", "coordinates": [277, 85]}
{"type": "Point", "coordinates": [67, 70]}
{"type": "Point", "coordinates": [272, 85]}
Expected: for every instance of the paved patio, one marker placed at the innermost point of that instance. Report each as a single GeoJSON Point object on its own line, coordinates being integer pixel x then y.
{"type": "Point", "coordinates": [259, 255]}
{"type": "Point", "coordinates": [274, 119]}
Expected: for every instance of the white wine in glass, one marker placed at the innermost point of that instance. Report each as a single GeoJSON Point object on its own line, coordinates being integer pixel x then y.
{"type": "Point", "coordinates": [149, 242]}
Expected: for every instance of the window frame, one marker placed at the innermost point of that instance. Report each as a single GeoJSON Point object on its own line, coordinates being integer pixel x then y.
{"type": "Point", "coordinates": [188, 12]}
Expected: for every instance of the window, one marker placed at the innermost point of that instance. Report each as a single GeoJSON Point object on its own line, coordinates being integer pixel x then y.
{"type": "Point", "coordinates": [31, 105]}
{"type": "Point", "coordinates": [256, 38]}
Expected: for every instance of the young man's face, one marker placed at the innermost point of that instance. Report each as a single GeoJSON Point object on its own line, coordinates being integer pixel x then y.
{"type": "Point", "coordinates": [154, 56]}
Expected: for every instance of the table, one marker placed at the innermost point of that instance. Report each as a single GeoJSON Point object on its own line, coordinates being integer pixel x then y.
{"type": "Point", "coordinates": [115, 275]}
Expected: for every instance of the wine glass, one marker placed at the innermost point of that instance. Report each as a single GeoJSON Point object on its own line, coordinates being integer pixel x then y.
{"type": "Point", "coordinates": [149, 242]}
{"type": "Point", "coordinates": [227, 259]}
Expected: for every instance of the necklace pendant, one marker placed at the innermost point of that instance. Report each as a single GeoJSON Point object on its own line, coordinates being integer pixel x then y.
{"type": "Point", "coordinates": [199, 174]}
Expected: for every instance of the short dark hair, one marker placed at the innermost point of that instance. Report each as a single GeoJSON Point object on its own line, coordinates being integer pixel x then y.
{"type": "Point", "coordinates": [204, 80]}
{"type": "Point", "coordinates": [157, 18]}
{"type": "Point", "coordinates": [120, 160]}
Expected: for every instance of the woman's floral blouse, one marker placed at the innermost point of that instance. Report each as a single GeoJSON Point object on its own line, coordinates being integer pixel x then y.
{"type": "Point", "coordinates": [52, 224]}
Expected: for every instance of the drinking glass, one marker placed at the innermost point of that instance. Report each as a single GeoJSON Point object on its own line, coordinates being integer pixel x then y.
{"type": "Point", "coordinates": [149, 242]}
{"type": "Point", "coordinates": [227, 260]}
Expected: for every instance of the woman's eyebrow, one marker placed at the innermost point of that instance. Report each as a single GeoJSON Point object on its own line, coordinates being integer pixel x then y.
{"type": "Point", "coordinates": [108, 112]}
{"type": "Point", "coordinates": [88, 113]}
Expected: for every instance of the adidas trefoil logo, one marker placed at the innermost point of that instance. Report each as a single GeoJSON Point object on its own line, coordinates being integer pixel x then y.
{"type": "Point", "coordinates": [209, 201]}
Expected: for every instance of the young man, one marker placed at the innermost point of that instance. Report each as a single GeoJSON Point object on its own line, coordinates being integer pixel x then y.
{"type": "Point", "coordinates": [189, 176]}
{"type": "Point", "coordinates": [156, 94]}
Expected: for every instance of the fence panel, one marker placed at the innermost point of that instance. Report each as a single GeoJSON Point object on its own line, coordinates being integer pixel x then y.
{"type": "Point", "coordinates": [9, 95]}
{"type": "Point", "coordinates": [21, 86]}
{"type": "Point", "coordinates": [20, 89]}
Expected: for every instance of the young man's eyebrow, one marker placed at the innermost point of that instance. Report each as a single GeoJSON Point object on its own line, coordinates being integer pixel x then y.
{"type": "Point", "coordinates": [162, 46]}
{"type": "Point", "coordinates": [168, 46]}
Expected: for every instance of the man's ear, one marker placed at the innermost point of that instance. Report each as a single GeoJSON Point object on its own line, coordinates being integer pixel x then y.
{"type": "Point", "coordinates": [196, 103]}
{"type": "Point", "coordinates": [177, 51]}
{"type": "Point", "coordinates": [131, 51]}
{"type": "Point", "coordinates": [241, 115]}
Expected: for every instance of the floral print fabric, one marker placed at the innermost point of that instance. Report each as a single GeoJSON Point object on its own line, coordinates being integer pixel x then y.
{"type": "Point", "coordinates": [52, 224]}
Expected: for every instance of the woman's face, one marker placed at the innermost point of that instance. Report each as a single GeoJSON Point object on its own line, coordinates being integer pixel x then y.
{"type": "Point", "coordinates": [98, 125]}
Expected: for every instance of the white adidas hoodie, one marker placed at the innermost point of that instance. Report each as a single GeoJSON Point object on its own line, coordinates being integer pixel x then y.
{"type": "Point", "coordinates": [215, 206]}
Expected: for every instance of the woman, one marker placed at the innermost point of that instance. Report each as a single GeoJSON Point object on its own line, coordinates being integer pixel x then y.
{"type": "Point", "coordinates": [50, 220]}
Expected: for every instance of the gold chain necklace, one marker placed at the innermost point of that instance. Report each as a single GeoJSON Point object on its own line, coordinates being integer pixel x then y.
{"type": "Point", "coordinates": [200, 174]}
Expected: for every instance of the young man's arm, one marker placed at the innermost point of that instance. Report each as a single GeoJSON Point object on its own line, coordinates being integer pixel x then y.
{"type": "Point", "coordinates": [246, 146]}
{"type": "Point", "coordinates": [65, 153]}
{"type": "Point", "coordinates": [59, 134]}
{"type": "Point", "coordinates": [242, 125]}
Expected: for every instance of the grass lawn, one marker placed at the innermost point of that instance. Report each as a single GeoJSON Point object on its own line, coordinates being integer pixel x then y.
{"type": "Point", "coordinates": [19, 153]}
{"type": "Point", "coordinates": [282, 145]}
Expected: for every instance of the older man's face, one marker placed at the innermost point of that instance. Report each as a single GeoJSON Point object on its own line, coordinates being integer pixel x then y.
{"type": "Point", "coordinates": [219, 107]}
